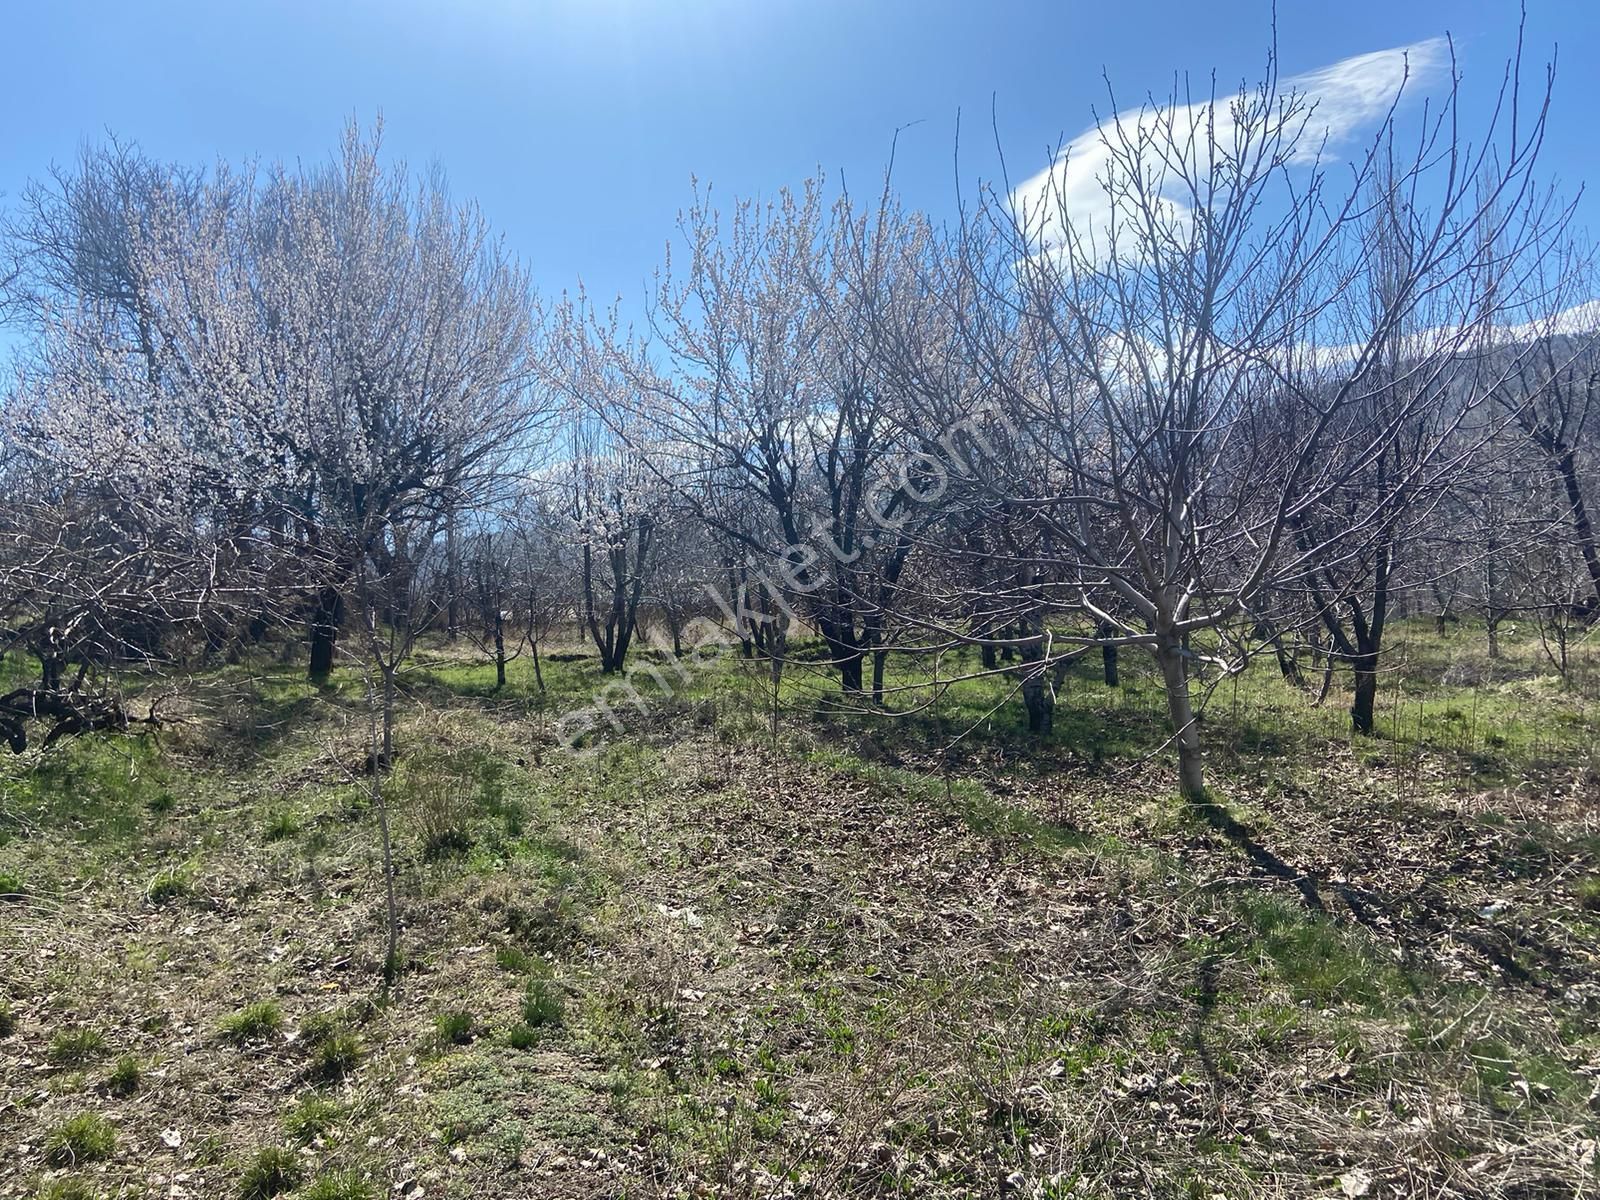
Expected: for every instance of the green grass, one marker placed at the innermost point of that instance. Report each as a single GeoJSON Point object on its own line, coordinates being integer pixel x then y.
{"type": "Point", "coordinates": [312, 1117]}
{"type": "Point", "coordinates": [343, 1185]}
{"type": "Point", "coordinates": [565, 680]}
{"type": "Point", "coordinates": [335, 1057]}
{"type": "Point", "coordinates": [69, 1047]}
{"type": "Point", "coordinates": [167, 886]}
{"type": "Point", "coordinates": [66, 1189]}
{"type": "Point", "coordinates": [319, 1027]}
{"type": "Point", "coordinates": [281, 826]}
{"type": "Point", "coordinates": [1486, 726]}
{"type": "Point", "coordinates": [515, 960]}
{"type": "Point", "coordinates": [455, 1027]}
{"type": "Point", "coordinates": [273, 1171]}
{"type": "Point", "coordinates": [99, 789]}
{"type": "Point", "coordinates": [909, 945]}
{"type": "Point", "coordinates": [84, 1138]}
{"type": "Point", "coordinates": [1320, 964]}
{"type": "Point", "coordinates": [541, 1004]}
{"type": "Point", "coordinates": [255, 1021]}
{"type": "Point", "coordinates": [125, 1077]}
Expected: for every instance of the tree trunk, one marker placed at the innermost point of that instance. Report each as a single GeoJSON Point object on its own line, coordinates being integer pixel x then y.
{"type": "Point", "coordinates": [1365, 703]}
{"type": "Point", "coordinates": [452, 581]}
{"type": "Point", "coordinates": [778, 639]}
{"type": "Point", "coordinates": [1287, 666]}
{"type": "Point", "coordinates": [1036, 700]}
{"type": "Point", "coordinates": [845, 649]}
{"type": "Point", "coordinates": [258, 628]}
{"type": "Point", "coordinates": [850, 673]}
{"type": "Point", "coordinates": [1185, 732]}
{"type": "Point", "coordinates": [1108, 652]}
{"type": "Point", "coordinates": [538, 675]}
{"type": "Point", "coordinates": [499, 651]}
{"type": "Point", "coordinates": [1037, 697]}
{"type": "Point", "coordinates": [879, 658]}
{"type": "Point", "coordinates": [326, 618]}
{"type": "Point", "coordinates": [1566, 464]}
{"type": "Point", "coordinates": [388, 719]}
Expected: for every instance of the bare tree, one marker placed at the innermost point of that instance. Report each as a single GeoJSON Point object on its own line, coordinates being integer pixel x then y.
{"type": "Point", "coordinates": [1195, 366]}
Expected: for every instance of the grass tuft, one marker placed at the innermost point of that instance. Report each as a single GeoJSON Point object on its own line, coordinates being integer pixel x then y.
{"type": "Point", "coordinates": [541, 1005]}
{"type": "Point", "coordinates": [335, 1057]}
{"type": "Point", "coordinates": [319, 1027]}
{"type": "Point", "coordinates": [281, 826]}
{"type": "Point", "coordinates": [514, 960]}
{"type": "Point", "coordinates": [167, 886]}
{"type": "Point", "coordinates": [68, 1047]}
{"type": "Point", "coordinates": [125, 1077]}
{"type": "Point", "coordinates": [84, 1138]}
{"type": "Point", "coordinates": [1587, 893]}
{"type": "Point", "coordinates": [65, 1189]}
{"type": "Point", "coordinates": [455, 1027]}
{"type": "Point", "coordinates": [253, 1022]}
{"type": "Point", "coordinates": [273, 1171]}
{"type": "Point", "coordinates": [311, 1118]}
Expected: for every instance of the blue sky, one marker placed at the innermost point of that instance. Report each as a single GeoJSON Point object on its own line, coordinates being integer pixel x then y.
{"type": "Point", "coordinates": [578, 123]}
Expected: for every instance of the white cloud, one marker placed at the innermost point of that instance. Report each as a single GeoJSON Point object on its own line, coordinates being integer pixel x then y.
{"type": "Point", "coordinates": [1350, 95]}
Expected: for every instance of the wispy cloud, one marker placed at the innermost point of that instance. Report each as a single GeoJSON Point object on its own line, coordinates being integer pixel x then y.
{"type": "Point", "coordinates": [1349, 96]}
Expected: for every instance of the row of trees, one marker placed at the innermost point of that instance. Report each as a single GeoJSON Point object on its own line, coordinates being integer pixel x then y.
{"type": "Point", "coordinates": [1249, 399]}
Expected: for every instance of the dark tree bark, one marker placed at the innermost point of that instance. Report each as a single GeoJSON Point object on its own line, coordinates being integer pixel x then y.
{"type": "Point", "coordinates": [1566, 465]}
{"type": "Point", "coordinates": [844, 649]}
{"type": "Point", "coordinates": [614, 636]}
{"type": "Point", "coordinates": [499, 650]}
{"type": "Point", "coordinates": [72, 711]}
{"type": "Point", "coordinates": [1108, 654]}
{"type": "Point", "coordinates": [1038, 699]}
{"type": "Point", "coordinates": [1364, 705]}
{"type": "Point", "coordinates": [326, 618]}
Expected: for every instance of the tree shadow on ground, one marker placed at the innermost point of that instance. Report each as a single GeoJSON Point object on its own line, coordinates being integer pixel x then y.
{"type": "Point", "coordinates": [1415, 919]}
